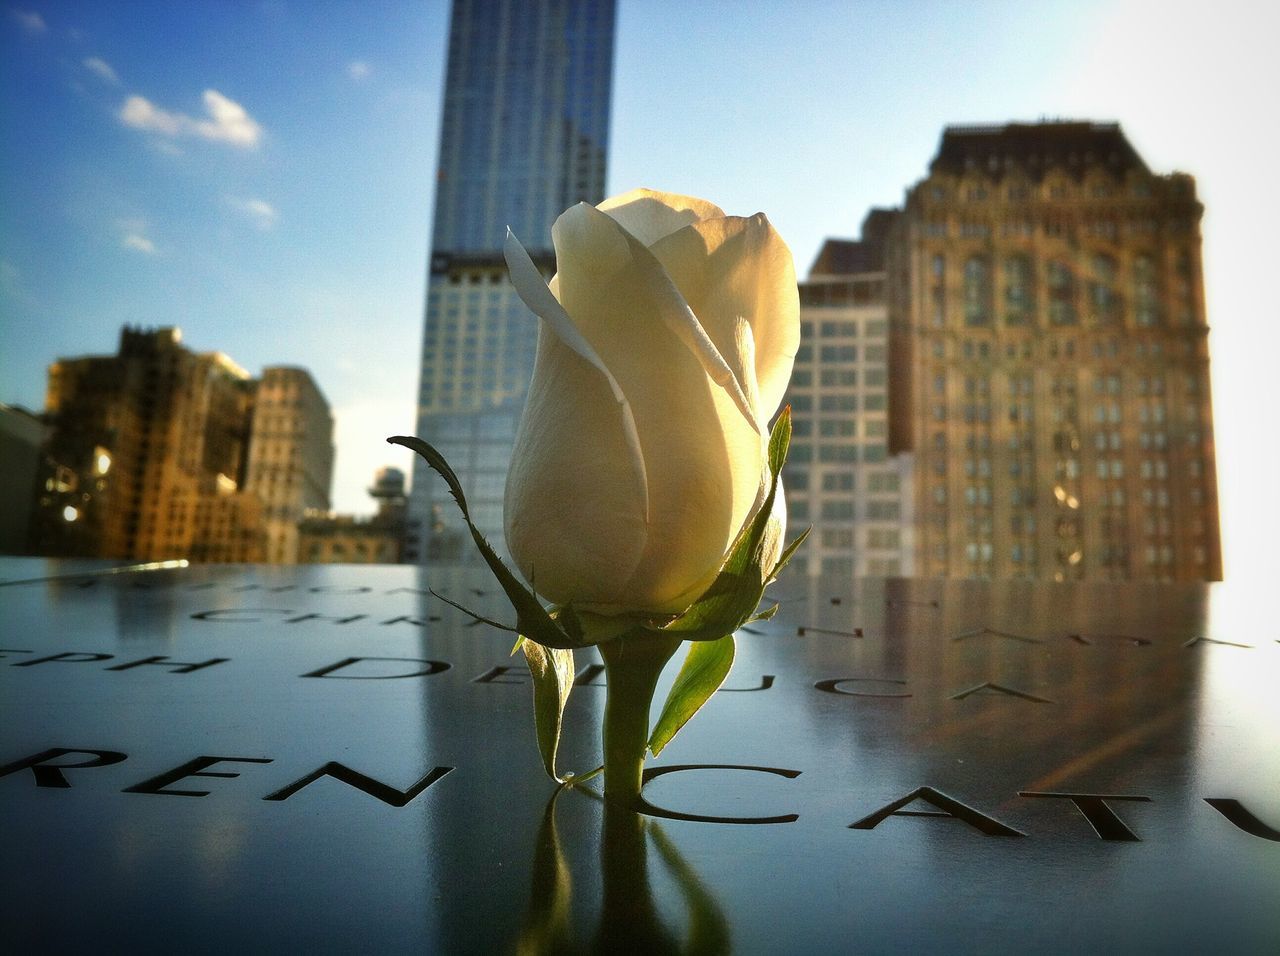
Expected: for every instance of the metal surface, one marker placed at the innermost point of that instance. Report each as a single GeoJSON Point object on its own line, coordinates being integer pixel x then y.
{"type": "Point", "coordinates": [1155, 706]}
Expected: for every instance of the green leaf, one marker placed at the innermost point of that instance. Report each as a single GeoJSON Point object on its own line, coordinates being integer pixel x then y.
{"type": "Point", "coordinates": [704, 670]}
{"type": "Point", "coordinates": [552, 670]}
{"type": "Point", "coordinates": [532, 620]}
{"type": "Point", "coordinates": [792, 548]}
{"type": "Point", "coordinates": [736, 592]}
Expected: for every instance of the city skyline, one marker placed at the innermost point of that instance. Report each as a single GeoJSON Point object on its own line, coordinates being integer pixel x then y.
{"type": "Point", "coordinates": [262, 176]}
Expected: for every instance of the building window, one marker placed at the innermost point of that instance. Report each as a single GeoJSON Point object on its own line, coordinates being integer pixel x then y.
{"type": "Point", "coordinates": [1145, 304]}
{"type": "Point", "coordinates": [1103, 301]}
{"type": "Point", "coordinates": [1019, 296]}
{"type": "Point", "coordinates": [977, 291]}
{"type": "Point", "coordinates": [1062, 293]}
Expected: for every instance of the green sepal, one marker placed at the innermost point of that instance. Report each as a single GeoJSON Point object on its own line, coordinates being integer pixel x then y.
{"type": "Point", "coordinates": [552, 672]}
{"type": "Point", "coordinates": [736, 592]}
{"type": "Point", "coordinates": [704, 670]}
{"type": "Point", "coordinates": [764, 615]}
{"type": "Point", "coordinates": [787, 555]}
{"type": "Point", "coordinates": [532, 620]}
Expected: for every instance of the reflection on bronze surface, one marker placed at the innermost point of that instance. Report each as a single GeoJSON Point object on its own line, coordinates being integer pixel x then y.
{"type": "Point", "coordinates": [630, 920]}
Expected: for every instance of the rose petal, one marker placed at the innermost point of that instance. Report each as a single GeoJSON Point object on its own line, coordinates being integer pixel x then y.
{"type": "Point", "coordinates": [703, 456]}
{"type": "Point", "coordinates": [573, 520]}
{"type": "Point", "coordinates": [733, 268]}
{"type": "Point", "coordinates": [649, 215]}
{"type": "Point", "coordinates": [541, 300]}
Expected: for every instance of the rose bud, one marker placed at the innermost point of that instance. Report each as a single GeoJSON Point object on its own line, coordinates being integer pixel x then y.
{"type": "Point", "coordinates": [667, 339]}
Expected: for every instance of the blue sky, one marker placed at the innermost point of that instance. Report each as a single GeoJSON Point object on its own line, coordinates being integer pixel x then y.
{"type": "Point", "coordinates": [260, 174]}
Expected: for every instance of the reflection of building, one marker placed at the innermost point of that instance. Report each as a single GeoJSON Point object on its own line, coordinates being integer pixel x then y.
{"type": "Point", "coordinates": [523, 136]}
{"type": "Point", "coordinates": [290, 456]}
{"type": "Point", "coordinates": [21, 434]}
{"type": "Point", "coordinates": [1049, 362]}
{"type": "Point", "coordinates": [839, 475]}
{"type": "Point", "coordinates": [346, 539]}
{"type": "Point", "coordinates": [147, 453]}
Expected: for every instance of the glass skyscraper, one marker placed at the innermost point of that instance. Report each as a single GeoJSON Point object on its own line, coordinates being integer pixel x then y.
{"type": "Point", "coordinates": [523, 136]}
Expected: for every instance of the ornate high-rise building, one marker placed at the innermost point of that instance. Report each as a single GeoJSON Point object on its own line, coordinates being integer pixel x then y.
{"type": "Point", "coordinates": [1049, 369]}
{"type": "Point", "coordinates": [524, 133]}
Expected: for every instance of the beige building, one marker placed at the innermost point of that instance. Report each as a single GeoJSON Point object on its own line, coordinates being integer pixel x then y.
{"type": "Point", "coordinates": [159, 452]}
{"type": "Point", "coordinates": [145, 455]}
{"type": "Point", "coordinates": [290, 456]}
{"type": "Point", "coordinates": [1049, 363]}
{"type": "Point", "coordinates": [840, 477]}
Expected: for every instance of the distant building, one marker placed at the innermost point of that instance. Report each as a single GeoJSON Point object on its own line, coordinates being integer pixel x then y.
{"type": "Point", "coordinates": [1049, 369]}
{"type": "Point", "coordinates": [523, 136]}
{"type": "Point", "coordinates": [346, 539]}
{"type": "Point", "coordinates": [147, 455]}
{"type": "Point", "coordinates": [21, 435]}
{"type": "Point", "coordinates": [290, 456]}
{"type": "Point", "coordinates": [840, 477]}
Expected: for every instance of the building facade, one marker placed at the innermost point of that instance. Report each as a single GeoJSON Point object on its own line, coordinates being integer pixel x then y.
{"type": "Point", "coordinates": [145, 455]}
{"type": "Point", "coordinates": [524, 133]}
{"type": "Point", "coordinates": [840, 477]}
{"type": "Point", "coordinates": [347, 539]}
{"type": "Point", "coordinates": [21, 435]}
{"type": "Point", "coordinates": [1049, 366]}
{"type": "Point", "coordinates": [290, 456]}
{"type": "Point", "coordinates": [159, 452]}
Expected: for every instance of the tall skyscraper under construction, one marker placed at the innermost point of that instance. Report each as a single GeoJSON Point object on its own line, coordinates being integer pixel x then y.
{"type": "Point", "coordinates": [524, 134]}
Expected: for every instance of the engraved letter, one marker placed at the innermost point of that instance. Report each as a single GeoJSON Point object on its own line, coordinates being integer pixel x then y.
{"type": "Point", "coordinates": [1093, 806]}
{"type": "Point", "coordinates": [375, 788]}
{"type": "Point", "coordinates": [192, 768]}
{"type": "Point", "coordinates": [50, 774]}
{"type": "Point", "coordinates": [433, 667]}
{"type": "Point", "coordinates": [947, 807]}
{"type": "Point", "coordinates": [644, 806]}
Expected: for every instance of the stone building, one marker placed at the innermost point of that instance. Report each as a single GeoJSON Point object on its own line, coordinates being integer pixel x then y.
{"type": "Point", "coordinates": [149, 455]}
{"type": "Point", "coordinates": [145, 455]}
{"type": "Point", "coordinates": [1049, 370]}
{"type": "Point", "coordinates": [290, 456]}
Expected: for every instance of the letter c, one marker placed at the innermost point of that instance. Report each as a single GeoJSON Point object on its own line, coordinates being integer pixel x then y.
{"type": "Point", "coordinates": [644, 806]}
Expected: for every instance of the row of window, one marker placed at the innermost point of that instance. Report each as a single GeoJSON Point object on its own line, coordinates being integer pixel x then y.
{"type": "Point", "coordinates": [1103, 301]}
{"type": "Point", "coordinates": [844, 328]}
{"type": "Point", "coordinates": [845, 510]}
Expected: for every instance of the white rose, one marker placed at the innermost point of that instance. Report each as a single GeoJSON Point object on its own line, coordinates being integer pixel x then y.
{"type": "Point", "coordinates": [668, 337]}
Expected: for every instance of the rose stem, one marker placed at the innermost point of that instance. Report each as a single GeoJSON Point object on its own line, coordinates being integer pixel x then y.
{"type": "Point", "coordinates": [632, 666]}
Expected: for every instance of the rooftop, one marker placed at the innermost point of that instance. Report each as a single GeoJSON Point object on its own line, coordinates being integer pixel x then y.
{"type": "Point", "coordinates": [1035, 148]}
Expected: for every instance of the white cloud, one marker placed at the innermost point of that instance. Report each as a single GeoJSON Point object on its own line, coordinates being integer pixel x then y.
{"type": "Point", "coordinates": [263, 214]}
{"type": "Point", "coordinates": [140, 113]}
{"type": "Point", "coordinates": [358, 70]}
{"type": "Point", "coordinates": [133, 235]}
{"type": "Point", "coordinates": [139, 243]}
{"type": "Point", "coordinates": [227, 122]}
{"type": "Point", "coordinates": [30, 21]}
{"type": "Point", "coordinates": [101, 67]}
